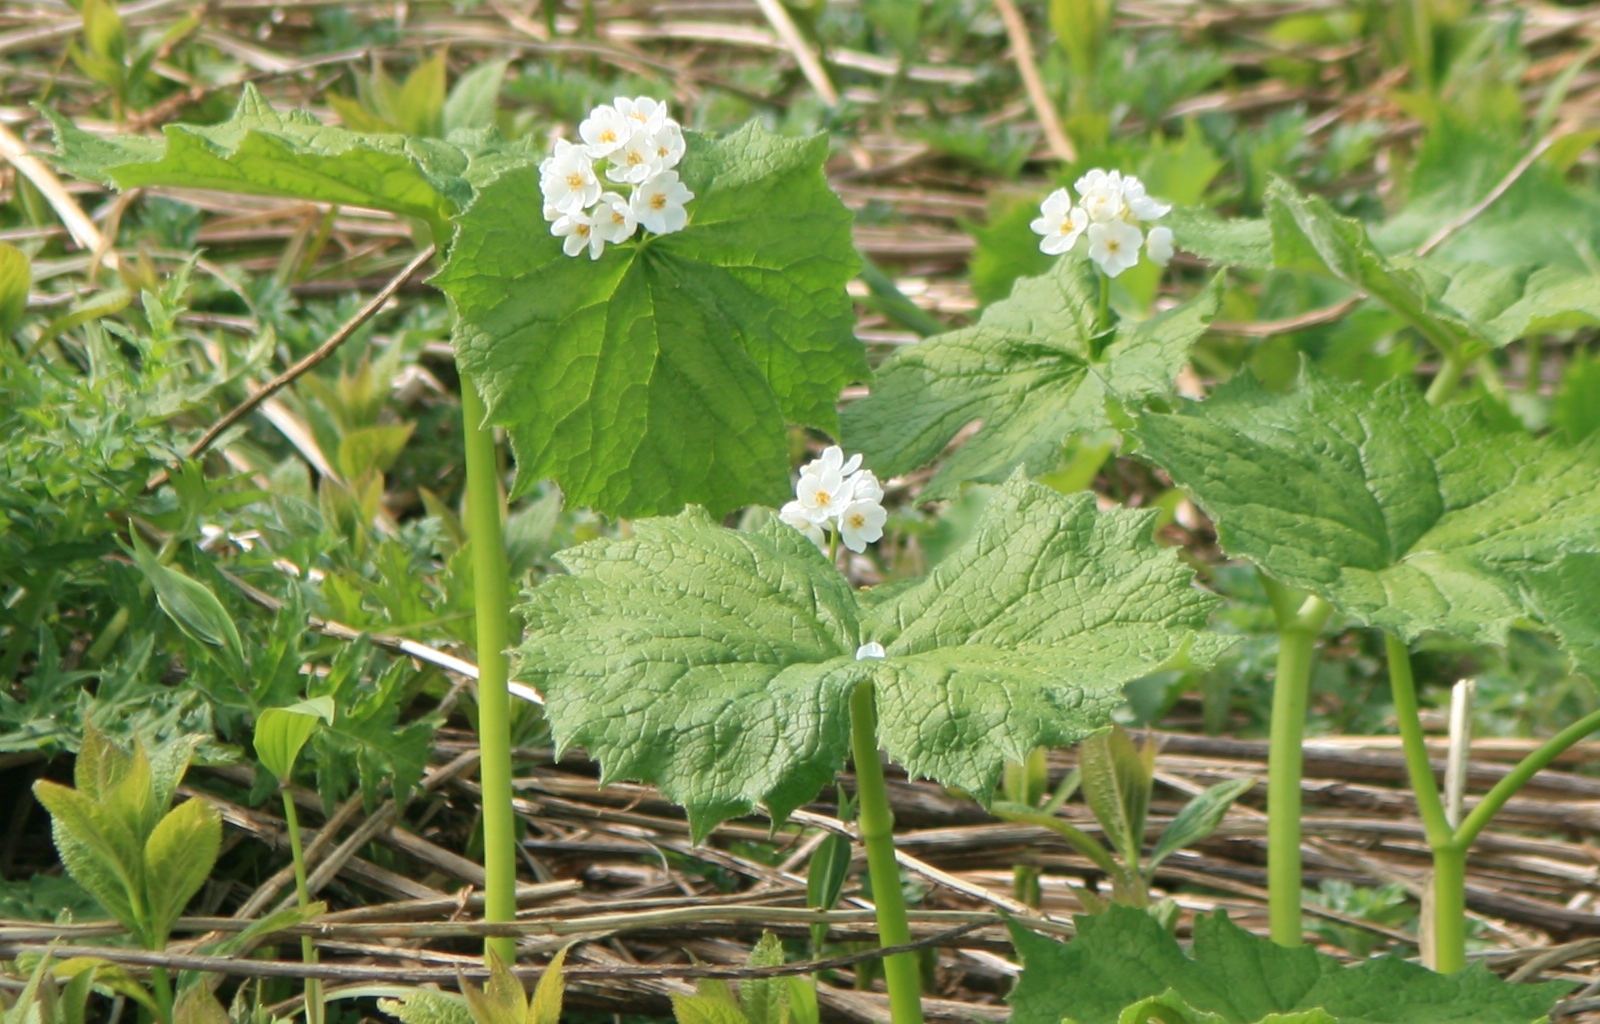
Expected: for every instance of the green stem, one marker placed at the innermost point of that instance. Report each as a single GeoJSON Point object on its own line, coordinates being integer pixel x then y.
{"type": "Point", "coordinates": [302, 891]}
{"type": "Point", "coordinates": [1519, 776]}
{"type": "Point", "coordinates": [833, 546]}
{"type": "Point", "coordinates": [875, 820]}
{"type": "Point", "coordinates": [1449, 887]}
{"type": "Point", "coordinates": [491, 603]}
{"type": "Point", "coordinates": [1298, 626]}
{"type": "Point", "coordinates": [1446, 380]}
{"type": "Point", "coordinates": [1104, 320]}
{"type": "Point", "coordinates": [1449, 908]}
{"type": "Point", "coordinates": [161, 988]}
{"type": "Point", "coordinates": [1429, 804]}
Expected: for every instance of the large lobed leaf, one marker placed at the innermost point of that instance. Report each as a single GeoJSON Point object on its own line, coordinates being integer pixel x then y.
{"type": "Point", "coordinates": [267, 152]}
{"type": "Point", "coordinates": [667, 371]}
{"type": "Point", "coordinates": [719, 664]}
{"type": "Point", "coordinates": [1403, 515]}
{"type": "Point", "coordinates": [1037, 368]}
{"type": "Point", "coordinates": [1125, 956]}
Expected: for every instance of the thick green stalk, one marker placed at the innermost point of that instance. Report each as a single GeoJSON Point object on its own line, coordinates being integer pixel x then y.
{"type": "Point", "coordinates": [1449, 908]}
{"type": "Point", "coordinates": [1298, 626]}
{"type": "Point", "coordinates": [302, 891]}
{"type": "Point", "coordinates": [491, 603]}
{"type": "Point", "coordinates": [901, 972]}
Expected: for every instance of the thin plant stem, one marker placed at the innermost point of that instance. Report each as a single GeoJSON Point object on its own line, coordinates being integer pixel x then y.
{"type": "Point", "coordinates": [1446, 951]}
{"type": "Point", "coordinates": [161, 988]}
{"type": "Point", "coordinates": [1429, 804]}
{"type": "Point", "coordinates": [491, 603]}
{"type": "Point", "coordinates": [1447, 379]}
{"type": "Point", "coordinates": [302, 891]}
{"type": "Point", "coordinates": [1104, 320]}
{"type": "Point", "coordinates": [1525, 770]}
{"type": "Point", "coordinates": [1300, 619]}
{"type": "Point", "coordinates": [833, 546]}
{"type": "Point", "coordinates": [876, 824]}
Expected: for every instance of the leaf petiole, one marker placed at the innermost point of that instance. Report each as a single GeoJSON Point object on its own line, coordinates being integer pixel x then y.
{"type": "Point", "coordinates": [901, 971]}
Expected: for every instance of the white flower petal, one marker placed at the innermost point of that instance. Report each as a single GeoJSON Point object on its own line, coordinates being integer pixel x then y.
{"type": "Point", "coordinates": [870, 649]}
{"type": "Point", "coordinates": [1158, 245]}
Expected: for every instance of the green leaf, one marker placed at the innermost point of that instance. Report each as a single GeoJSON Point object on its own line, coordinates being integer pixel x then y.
{"type": "Point", "coordinates": [16, 277]}
{"type": "Point", "coordinates": [1232, 242]}
{"type": "Point", "coordinates": [428, 1006]}
{"type": "Point", "coordinates": [545, 1007]}
{"type": "Point", "coordinates": [1198, 819]}
{"type": "Point", "coordinates": [98, 850]}
{"type": "Point", "coordinates": [716, 664]}
{"type": "Point", "coordinates": [101, 764]}
{"type": "Point", "coordinates": [1025, 635]}
{"type": "Point", "coordinates": [1576, 411]}
{"type": "Point", "coordinates": [1405, 516]}
{"type": "Point", "coordinates": [765, 1000]}
{"type": "Point", "coordinates": [719, 664]}
{"type": "Point", "coordinates": [1117, 779]}
{"type": "Point", "coordinates": [281, 732]}
{"type": "Point", "coordinates": [420, 102]}
{"type": "Point", "coordinates": [1307, 235]}
{"type": "Point", "coordinates": [471, 104]}
{"type": "Point", "coordinates": [1076, 838]}
{"type": "Point", "coordinates": [665, 372]}
{"type": "Point", "coordinates": [193, 606]}
{"type": "Point", "coordinates": [1567, 596]}
{"type": "Point", "coordinates": [706, 1010]}
{"type": "Point", "coordinates": [1034, 370]}
{"type": "Point", "coordinates": [1542, 219]}
{"type": "Point", "coordinates": [803, 999]}
{"type": "Point", "coordinates": [265, 152]}
{"type": "Point", "coordinates": [196, 1005]}
{"type": "Point", "coordinates": [178, 857]}
{"type": "Point", "coordinates": [1124, 956]}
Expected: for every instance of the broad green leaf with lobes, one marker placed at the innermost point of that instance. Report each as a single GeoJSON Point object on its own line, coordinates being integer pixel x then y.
{"type": "Point", "coordinates": [1403, 515]}
{"type": "Point", "coordinates": [667, 371]}
{"type": "Point", "coordinates": [1124, 956]}
{"type": "Point", "coordinates": [268, 152]}
{"type": "Point", "coordinates": [1035, 369]}
{"type": "Point", "coordinates": [719, 664]}
{"type": "Point", "coordinates": [1567, 596]}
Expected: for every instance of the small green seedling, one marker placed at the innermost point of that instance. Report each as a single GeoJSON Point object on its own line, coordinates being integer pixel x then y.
{"type": "Point", "coordinates": [1118, 777]}
{"type": "Point", "coordinates": [280, 735]}
{"type": "Point", "coordinates": [782, 1000]}
{"type": "Point", "coordinates": [118, 838]}
{"type": "Point", "coordinates": [501, 1001]}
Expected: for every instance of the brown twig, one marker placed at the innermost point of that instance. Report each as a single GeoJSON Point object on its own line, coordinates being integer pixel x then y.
{"type": "Point", "coordinates": [1501, 188]}
{"type": "Point", "coordinates": [1043, 109]}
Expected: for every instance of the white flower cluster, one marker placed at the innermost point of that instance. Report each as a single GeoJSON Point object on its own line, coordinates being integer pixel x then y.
{"type": "Point", "coordinates": [637, 145]}
{"type": "Point", "coordinates": [1110, 212]}
{"type": "Point", "coordinates": [840, 495]}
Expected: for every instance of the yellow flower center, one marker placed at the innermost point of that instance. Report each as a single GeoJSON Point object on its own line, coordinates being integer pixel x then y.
{"type": "Point", "coordinates": [607, 135]}
{"type": "Point", "coordinates": [858, 520]}
{"type": "Point", "coordinates": [659, 202]}
{"type": "Point", "coordinates": [574, 181]}
{"type": "Point", "coordinates": [583, 231]}
{"type": "Point", "coordinates": [635, 157]}
{"type": "Point", "coordinates": [823, 497]}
